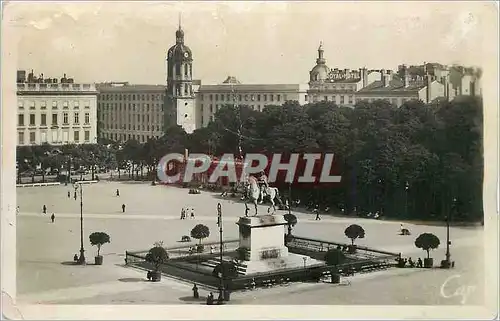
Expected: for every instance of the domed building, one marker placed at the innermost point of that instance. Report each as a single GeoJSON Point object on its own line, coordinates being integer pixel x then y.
{"type": "Point", "coordinates": [320, 71]}
{"type": "Point", "coordinates": [180, 98]}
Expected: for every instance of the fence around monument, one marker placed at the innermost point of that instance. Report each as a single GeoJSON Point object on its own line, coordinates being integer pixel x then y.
{"type": "Point", "coordinates": [367, 259]}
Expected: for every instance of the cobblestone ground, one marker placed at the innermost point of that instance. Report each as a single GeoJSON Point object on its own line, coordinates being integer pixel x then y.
{"type": "Point", "coordinates": [152, 214]}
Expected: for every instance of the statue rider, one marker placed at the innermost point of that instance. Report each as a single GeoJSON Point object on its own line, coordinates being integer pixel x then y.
{"type": "Point", "coordinates": [263, 184]}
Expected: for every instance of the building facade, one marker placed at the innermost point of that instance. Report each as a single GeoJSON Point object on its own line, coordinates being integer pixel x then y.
{"type": "Point", "coordinates": [426, 82]}
{"type": "Point", "coordinates": [55, 111]}
{"type": "Point", "coordinates": [130, 111]}
{"type": "Point", "coordinates": [209, 98]}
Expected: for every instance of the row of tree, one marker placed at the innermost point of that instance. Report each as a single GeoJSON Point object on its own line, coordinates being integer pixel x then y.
{"type": "Point", "coordinates": [420, 161]}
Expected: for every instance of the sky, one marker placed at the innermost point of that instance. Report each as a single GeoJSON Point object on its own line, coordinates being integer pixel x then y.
{"type": "Point", "coordinates": [257, 42]}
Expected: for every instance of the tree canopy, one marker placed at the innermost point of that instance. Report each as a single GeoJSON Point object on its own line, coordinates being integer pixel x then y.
{"type": "Point", "coordinates": [417, 161]}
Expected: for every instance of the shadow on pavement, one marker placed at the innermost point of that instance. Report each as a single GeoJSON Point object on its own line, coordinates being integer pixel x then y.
{"type": "Point", "coordinates": [69, 263]}
{"type": "Point", "coordinates": [201, 299]}
{"type": "Point", "coordinates": [132, 280]}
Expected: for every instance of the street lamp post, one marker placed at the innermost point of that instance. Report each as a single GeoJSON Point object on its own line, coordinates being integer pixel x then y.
{"type": "Point", "coordinates": [447, 263]}
{"type": "Point", "coordinates": [81, 260]}
{"type": "Point", "coordinates": [290, 193]}
{"type": "Point", "coordinates": [407, 186]}
{"type": "Point", "coordinates": [221, 249]}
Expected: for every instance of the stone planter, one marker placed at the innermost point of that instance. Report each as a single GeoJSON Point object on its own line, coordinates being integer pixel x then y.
{"type": "Point", "coordinates": [227, 295]}
{"type": "Point", "coordinates": [335, 278]}
{"type": "Point", "coordinates": [98, 260]}
{"type": "Point", "coordinates": [428, 262]}
{"type": "Point", "coordinates": [155, 276]}
{"type": "Point", "coordinates": [445, 264]}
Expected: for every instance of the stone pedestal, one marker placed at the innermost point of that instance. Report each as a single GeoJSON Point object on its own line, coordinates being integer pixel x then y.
{"type": "Point", "coordinates": [263, 236]}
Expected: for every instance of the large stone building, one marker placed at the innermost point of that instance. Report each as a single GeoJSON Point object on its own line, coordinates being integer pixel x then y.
{"type": "Point", "coordinates": [130, 111]}
{"type": "Point", "coordinates": [192, 105]}
{"type": "Point", "coordinates": [210, 98]}
{"type": "Point", "coordinates": [55, 111]}
{"type": "Point", "coordinates": [427, 82]}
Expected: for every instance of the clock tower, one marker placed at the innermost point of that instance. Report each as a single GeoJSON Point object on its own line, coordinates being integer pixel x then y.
{"type": "Point", "coordinates": [180, 99]}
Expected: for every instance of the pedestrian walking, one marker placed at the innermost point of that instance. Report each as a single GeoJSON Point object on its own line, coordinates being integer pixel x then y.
{"type": "Point", "coordinates": [196, 294]}
{"type": "Point", "coordinates": [316, 211]}
{"type": "Point", "coordinates": [182, 213]}
{"type": "Point", "coordinates": [74, 195]}
{"type": "Point", "coordinates": [210, 299]}
{"type": "Point", "coordinates": [44, 209]}
{"type": "Point", "coordinates": [117, 192]}
{"type": "Point", "coordinates": [52, 217]}
{"type": "Point", "coordinates": [192, 213]}
{"type": "Point", "coordinates": [17, 210]}
{"type": "Point", "coordinates": [123, 208]}
{"type": "Point", "coordinates": [69, 194]}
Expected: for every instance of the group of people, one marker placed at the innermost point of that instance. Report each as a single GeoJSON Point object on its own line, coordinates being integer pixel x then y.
{"type": "Point", "coordinates": [411, 263]}
{"type": "Point", "coordinates": [210, 296]}
{"type": "Point", "coordinates": [44, 211]}
{"type": "Point", "coordinates": [186, 211]}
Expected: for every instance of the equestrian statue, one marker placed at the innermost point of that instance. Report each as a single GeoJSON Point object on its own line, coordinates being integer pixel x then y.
{"type": "Point", "coordinates": [257, 189]}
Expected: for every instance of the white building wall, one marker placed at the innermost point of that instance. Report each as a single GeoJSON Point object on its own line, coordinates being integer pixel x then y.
{"type": "Point", "coordinates": [44, 130]}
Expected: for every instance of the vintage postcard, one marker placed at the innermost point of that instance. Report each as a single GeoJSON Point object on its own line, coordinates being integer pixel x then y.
{"type": "Point", "coordinates": [249, 160]}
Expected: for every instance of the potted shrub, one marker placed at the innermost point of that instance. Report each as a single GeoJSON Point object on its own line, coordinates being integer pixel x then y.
{"type": "Point", "coordinates": [353, 232]}
{"type": "Point", "coordinates": [427, 242]}
{"type": "Point", "coordinates": [243, 253]}
{"type": "Point", "coordinates": [291, 220]}
{"type": "Point", "coordinates": [99, 239]}
{"type": "Point", "coordinates": [200, 232]}
{"type": "Point", "coordinates": [227, 270]}
{"type": "Point", "coordinates": [157, 256]}
{"type": "Point", "coordinates": [334, 257]}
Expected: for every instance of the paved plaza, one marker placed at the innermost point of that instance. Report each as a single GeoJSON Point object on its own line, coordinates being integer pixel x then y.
{"type": "Point", "coordinates": [152, 214]}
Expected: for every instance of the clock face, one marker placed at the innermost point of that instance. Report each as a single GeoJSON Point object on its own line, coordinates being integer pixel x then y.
{"type": "Point", "coordinates": [186, 54]}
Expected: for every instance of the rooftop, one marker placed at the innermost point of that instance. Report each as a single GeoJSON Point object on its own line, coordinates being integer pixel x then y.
{"type": "Point", "coordinates": [395, 86]}
{"type": "Point", "coordinates": [126, 87]}
{"type": "Point", "coordinates": [227, 87]}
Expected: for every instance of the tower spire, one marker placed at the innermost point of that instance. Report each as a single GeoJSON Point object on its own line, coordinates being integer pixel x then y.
{"type": "Point", "coordinates": [180, 28]}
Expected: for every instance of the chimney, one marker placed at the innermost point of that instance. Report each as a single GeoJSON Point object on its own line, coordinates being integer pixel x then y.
{"type": "Point", "coordinates": [406, 77]}
{"type": "Point", "coordinates": [428, 85]}
{"type": "Point", "coordinates": [446, 88]}
{"type": "Point", "coordinates": [364, 77]}
{"type": "Point", "coordinates": [384, 78]}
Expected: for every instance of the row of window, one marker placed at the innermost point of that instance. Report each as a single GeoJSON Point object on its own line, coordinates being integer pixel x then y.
{"type": "Point", "coordinates": [211, 107]}
{"type": "Point", "coordinates": [55, 119]}
{"type": "Point", "coordinates": [128, 107]}
{"type": "Point", "coordinates": [109, 118]}
{"type": "Point", "coordinates": [55, 104]}
{"type": "Point", "coordinates": [246, 97]}
{"type": "Point", "coordinates": [342, 99]}
{"type": "Point", "coordinates": [131, 127]}
{"type": "Point", "coordinates": [132, 97]}
{"type": "Point", "coordinates": [44, 138]}
{"type": "Point", "coordinates": [124, 137]}
{"type": "Point", "coordinates": [335, 87]}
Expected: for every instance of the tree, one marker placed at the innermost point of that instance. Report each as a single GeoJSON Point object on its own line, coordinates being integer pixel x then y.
{"type": "Point", "coordinates": [200, 232]}
{"type": "Point", "coordinates": [99, 239]}
{"type": "Point", "coordinates": [225, 270]}
{"type": "Point", "coordinates": [291, 220]}
{"type": "Point", "coordinates": [157, 256]}
{"type": "Point", "coordinates": [334, 257]}
{"type": "Point", "coordinates": [427, 242]}
{"type": "Point", "coordinates": [353, 232]}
